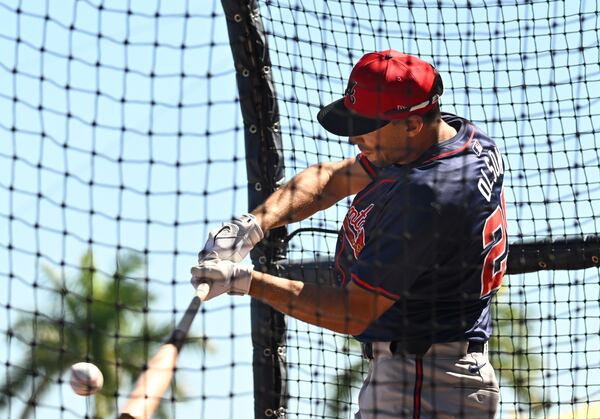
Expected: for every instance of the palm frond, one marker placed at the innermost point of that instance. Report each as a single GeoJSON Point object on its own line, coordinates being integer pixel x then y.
{"type": "Point", "coordinates": [128, 264]}
{"type": "Point", "coordinates": [87, 274]}
{"type": "Point", "coordinates": [40, 387]}
{"type": "Point", "coordinates": [344, 382]}
{"type": "Point", "coordinates": [61, 286]}
{"type": "Point", "coordinates": [517, 366]}
{"type": "Point", "coordinates": [17, 380]}
{"type": "Point", "coordinates": [100, 321]}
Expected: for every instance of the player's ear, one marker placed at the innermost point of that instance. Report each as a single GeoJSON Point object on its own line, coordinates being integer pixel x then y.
{"type": "Point", "coordinates": [414, 125]}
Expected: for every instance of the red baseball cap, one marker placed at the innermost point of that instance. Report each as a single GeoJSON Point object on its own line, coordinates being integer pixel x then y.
{"type": "Point", "coordinates": [383, 86]}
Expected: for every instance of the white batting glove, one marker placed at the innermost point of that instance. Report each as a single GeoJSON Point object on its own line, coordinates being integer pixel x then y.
{"type": "Point", "coordinates": [222, 276]}
{"type": "Point", "coordinates": [232, 241]}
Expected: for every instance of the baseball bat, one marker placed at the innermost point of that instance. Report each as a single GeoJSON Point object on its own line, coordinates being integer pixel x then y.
{"type": "Point", "coordinates": [154, 381]}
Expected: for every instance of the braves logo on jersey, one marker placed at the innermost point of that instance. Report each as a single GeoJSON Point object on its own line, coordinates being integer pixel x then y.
{"type": "Point", "coordinates": [354, 227]}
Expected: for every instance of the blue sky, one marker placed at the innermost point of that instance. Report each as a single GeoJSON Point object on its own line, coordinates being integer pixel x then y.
{"type": "Point", "coordinates": [119, 134]}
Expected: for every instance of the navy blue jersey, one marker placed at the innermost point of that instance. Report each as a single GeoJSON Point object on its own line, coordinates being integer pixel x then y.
{"type": "Point", "coordinates": [430, 235]}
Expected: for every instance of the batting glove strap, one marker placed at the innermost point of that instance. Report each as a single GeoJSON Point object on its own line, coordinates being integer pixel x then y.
{"type": "Point", "coordinates": [248, 222]}
{"type": "Point", "coordinates": [241, 278]}
{"type": "Point", "coordinates": [222, 276]}
{"type": "Point", "coordinates": [232, 241]}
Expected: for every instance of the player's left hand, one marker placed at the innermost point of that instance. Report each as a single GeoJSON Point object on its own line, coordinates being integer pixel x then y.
{"type": "Point", "coordinates": [232, 241]}
{"type": "Point", "coordinates": [223, 276]}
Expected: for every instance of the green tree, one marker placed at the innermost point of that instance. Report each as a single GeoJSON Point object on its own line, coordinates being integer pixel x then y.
{"type": "Point", "coordinates": [98, 319]}
{"type": "Point", "coordinates": [516, 366]}
{"type": "Point", "coordinates": [347, 380]}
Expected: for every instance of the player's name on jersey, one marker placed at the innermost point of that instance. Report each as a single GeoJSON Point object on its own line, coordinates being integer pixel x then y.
{"type": "Point", "coordinates": [493, 162]}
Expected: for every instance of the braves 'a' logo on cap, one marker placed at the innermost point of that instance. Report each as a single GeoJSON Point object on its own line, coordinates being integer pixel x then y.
{"type": "Point", "coordinates": [351, 91]}
{"type": "Point", "coordinates": [354, 226]}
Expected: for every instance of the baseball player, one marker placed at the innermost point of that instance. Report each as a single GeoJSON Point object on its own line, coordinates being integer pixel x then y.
{"type": "Point", "coordinates": [421, 253]}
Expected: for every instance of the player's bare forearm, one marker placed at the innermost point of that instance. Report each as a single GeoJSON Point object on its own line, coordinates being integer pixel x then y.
{"type": "Point", "coordinates": [342, 310]}
{"type": "Point", "coordinates": [312, 190]}
{"type": "Point", "coordinates": [311, 303]}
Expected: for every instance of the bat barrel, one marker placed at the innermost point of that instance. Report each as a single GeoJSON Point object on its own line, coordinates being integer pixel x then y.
{"type": "Point", "coordinates": [154, 381]}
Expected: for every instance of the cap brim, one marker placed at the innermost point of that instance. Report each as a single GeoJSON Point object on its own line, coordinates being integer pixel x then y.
{"type": "Point", "coordinates": [339, 120]}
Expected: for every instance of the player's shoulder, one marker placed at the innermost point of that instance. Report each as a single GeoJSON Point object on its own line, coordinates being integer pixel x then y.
{"type": "Point", "coordinates": [469, 143]}
{"type": "Point", "coordinates": [443, 169]}
{"type": "Point", "coordinates": [468, 132]}
{"type": "Point", "coordinates": [408, 187]}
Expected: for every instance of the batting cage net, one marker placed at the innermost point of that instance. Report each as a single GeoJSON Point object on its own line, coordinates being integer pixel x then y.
{"type": "Point", "coordinates": [122, 144]}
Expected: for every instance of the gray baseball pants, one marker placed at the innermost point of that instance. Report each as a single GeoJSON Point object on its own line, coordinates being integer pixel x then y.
{"type": "Point", "coordinates": [445, 382]}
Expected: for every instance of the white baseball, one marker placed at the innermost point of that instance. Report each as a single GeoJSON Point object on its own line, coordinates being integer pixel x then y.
{"type": "Point", "coordinates": [86, 378]}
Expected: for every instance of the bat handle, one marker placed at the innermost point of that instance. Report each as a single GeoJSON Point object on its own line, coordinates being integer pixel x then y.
{"type": "Point", "coordinates": [202, 290]}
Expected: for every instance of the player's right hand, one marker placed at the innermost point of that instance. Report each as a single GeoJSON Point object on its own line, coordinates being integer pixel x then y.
{"type": "Point", "coordinates": [222, 276]}
{"type": "Point", "coordinates": [232, 241]}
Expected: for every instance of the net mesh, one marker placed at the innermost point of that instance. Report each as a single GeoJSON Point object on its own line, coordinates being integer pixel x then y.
{"type": "Point", "coordinates": [122, 146]}
{"type": "Point", "coordinates": [114, 148]}
{"type": "Point", "coordinates": [523, 71]}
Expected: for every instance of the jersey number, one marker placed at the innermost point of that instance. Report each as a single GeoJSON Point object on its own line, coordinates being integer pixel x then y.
{"type": "Point", "coordinates": [494, 237]}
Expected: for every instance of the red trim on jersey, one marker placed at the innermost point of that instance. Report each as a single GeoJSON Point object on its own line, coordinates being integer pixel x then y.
{"type": "Point", "coordinates": [367, 165]}
{"type": "Point", "coordinates": [372, 188]}
{"type": "Point", "coordinates": [370, 287]}
{"type": "Point", "coordinates": [458, 150]}
{"type": "Point", "coordinates": [418, 386]}
{"type": "Point", "coordinates": [337, 261]}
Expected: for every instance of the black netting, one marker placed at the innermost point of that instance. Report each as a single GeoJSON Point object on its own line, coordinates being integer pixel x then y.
{"type": "Point", "coordinates": [119, 138]}
{"type": "Point", "coordinates": [526, 72]}
{"type": "Point", "coordinates": [121, 146]}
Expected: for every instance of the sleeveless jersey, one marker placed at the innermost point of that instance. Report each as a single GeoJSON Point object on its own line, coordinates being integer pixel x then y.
{"type": "Point", "coordinates": [430, 235]}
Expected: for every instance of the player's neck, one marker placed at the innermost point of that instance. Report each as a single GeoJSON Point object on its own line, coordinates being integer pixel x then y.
{"type": "Point", "coordinates": [435, 134]}
{"type": "Point", "coordinates": [429, 136]}
{"type": "Point", "coordinates": [444, 132]}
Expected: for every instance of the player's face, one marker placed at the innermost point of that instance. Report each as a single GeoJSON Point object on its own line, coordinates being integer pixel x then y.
{"type": "Point", "coordinates": [387, 145]}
